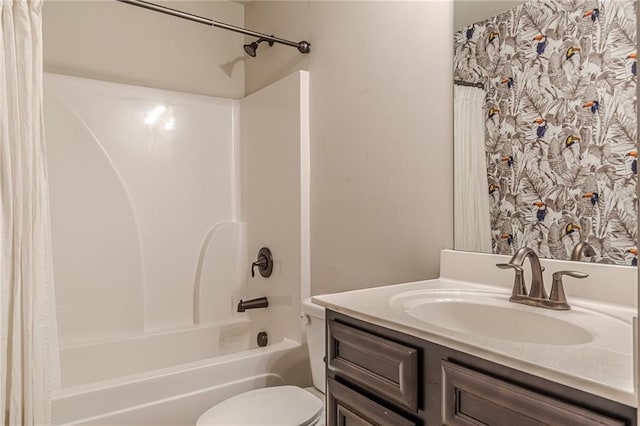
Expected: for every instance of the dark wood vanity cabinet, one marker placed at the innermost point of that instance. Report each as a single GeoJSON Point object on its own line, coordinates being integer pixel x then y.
{"type": "Point", "coordinates": [377, 376]}
{"type": "Point", "coordinates": [351, 408]}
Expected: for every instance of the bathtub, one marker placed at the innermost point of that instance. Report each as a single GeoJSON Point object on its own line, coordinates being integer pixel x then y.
{"type": "Point", "coordinates": [147, 237]}
{"type": "Point", "coordinates": [170, 378]}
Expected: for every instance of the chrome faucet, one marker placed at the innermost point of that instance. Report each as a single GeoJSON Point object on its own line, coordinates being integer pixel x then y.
{"type": "Point", "coordinates": [582, 248]}
{"type": "Point", "coordinates": [537, 295]}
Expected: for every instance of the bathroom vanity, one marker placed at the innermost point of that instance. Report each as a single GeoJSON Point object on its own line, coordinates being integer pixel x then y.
{"type": "Point", "coordinates": [454, 351]}
{"type": "Point", "coordinates": [380, 376]}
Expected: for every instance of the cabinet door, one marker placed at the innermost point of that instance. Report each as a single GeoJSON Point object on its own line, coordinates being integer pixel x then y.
{"type": "Point", "coordinates": [473, 398]}
{"type": "Point", "coordinates": [349, 408]}
{"type": "Point", "coordinates": [384, 367]}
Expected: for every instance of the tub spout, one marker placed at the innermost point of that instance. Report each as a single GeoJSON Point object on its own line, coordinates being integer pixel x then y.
{"type": "Point", "coordinates": [260, 302]}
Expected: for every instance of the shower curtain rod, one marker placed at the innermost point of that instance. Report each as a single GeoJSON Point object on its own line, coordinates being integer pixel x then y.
{"type": "Point", "coordinates": [466, 83]}
{"type": "Point", "coordinates": [302, 46]}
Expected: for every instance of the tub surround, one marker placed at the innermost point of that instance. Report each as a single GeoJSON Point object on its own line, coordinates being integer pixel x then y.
{"type": "Point", "coordinates": [133, 206]}
{"type": "Point", "coordinates": [591, 367]}
{"type": "Point", "coordinates": [159, 204]}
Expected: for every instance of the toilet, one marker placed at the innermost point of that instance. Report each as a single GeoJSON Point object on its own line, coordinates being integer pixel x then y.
{"type": "Point", "coordinates": [281, 405]}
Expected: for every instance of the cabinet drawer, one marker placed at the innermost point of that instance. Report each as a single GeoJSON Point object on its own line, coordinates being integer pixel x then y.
{"type": "Point", "coordinates": [384, 367]}
{"type": "Point", "coordinates": [349, 408]}
{"type": "Point", "coordinates": [473, 398]}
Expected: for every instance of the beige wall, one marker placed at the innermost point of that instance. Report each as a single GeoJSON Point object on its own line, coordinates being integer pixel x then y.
{"type": "Point", "coordinates": [113, 41]}
{"type": "Point", "coordinates": [381, 105]}
{"type": "Point", "coordinates": [381, 132]}
{"type": "Point", "coordinates": [467, 12]}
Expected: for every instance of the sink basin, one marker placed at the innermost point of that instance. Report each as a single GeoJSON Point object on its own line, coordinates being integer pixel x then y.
{"type": "Point", "coordinates": [500, 322]}
{"type": "Point", "coordinates": [491, 315]}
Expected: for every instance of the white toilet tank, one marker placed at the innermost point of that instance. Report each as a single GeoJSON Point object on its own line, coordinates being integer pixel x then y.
{"type": "Point", "coordinates": [315, 329]}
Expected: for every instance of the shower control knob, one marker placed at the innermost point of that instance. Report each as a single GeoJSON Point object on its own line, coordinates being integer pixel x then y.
{"type": "Point", "coordinates": [264, 263]}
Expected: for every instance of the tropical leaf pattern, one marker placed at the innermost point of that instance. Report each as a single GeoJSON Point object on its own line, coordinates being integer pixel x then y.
{"type": "Point", "coordinates": [561, 126]}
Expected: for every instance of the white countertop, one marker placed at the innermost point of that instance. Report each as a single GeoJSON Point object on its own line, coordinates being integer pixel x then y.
{"type": "Point", "coordinates": [593, 367]}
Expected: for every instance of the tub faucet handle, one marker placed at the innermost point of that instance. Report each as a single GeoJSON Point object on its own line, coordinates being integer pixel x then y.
{"type": "Point", "coordinates": [261, 263]}
{"type": "Point", "coordinates": [264, 263]}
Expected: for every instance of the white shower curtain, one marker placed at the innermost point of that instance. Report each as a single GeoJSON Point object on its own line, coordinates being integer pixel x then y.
{"type": "Point", "coordinates": [472, 227]}
{"type": "Point", "coordinates": [28, 348]}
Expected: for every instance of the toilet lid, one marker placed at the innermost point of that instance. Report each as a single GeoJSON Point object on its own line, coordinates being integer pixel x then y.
{"type": "Point", "coordinates": [278, 405]}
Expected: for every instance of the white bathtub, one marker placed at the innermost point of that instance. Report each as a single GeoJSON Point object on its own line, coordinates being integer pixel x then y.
{"type": "Point", "coordinates": [170, 378]}
{"type": "Point", "coordinates": [146, 236]}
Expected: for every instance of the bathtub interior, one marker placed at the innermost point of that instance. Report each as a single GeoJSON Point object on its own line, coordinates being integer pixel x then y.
{"type": "Point", "coordinates": [129, 356]}
{"type": "Point", "coordinates": [158, 209]}
{"type": "Point", "coordinates": [178, 395]}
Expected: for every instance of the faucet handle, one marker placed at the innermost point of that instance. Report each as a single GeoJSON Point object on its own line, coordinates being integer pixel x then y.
{"type": "Point", "coordinates": [574, 274]}
{"type": "Point", "coordinates": [557, 297]}
{"type": "Point", "coordinates": [264, 263]}
{"type": "Point", "coordinates": [518, 268]}
{"type": "Point", "coordinates": [519, 289]}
